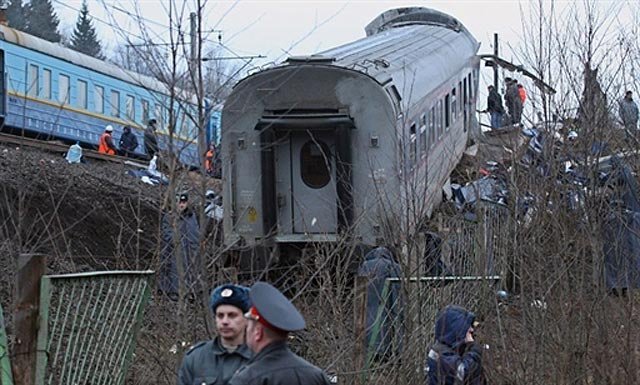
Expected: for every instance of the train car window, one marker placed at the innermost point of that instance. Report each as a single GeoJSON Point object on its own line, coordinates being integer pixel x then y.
{"type": "Point", "coordinates": [33, 80]}
{"type": "Point", "coordinates": [182, 127]}
{"type": "Point", "coordinates": [315, 164]}
{"type": "Point", "coordinates": [145, 110]}
{"type": "Point", "coordinates": [465, 92]}
{"type": "Point", "coordinates": [159, 115]}
{"type": "Point", "coordinates": [454, 104]}
{"type": "Point", "coordinates": [423, 139]}
{"type": "Point", "coordinates": [98, 93]}
{"type": "Point", "coordinates": [46, 84]}
{"type": "Point", "coordinates": [423, 135]}
{"type": "Point", "coordinates": [447, 112]}
{"type": "Point", "coordinates": [432, 127]}
{"type": "Point", "coordinates": [413, 148]}
{"type": "Point", "coordinates": [81, 98]}
{"type": "Point", "coordinates": [460, 98]}
{"type": "Point", "coordinates": [470, 88]}
{"type": "Point", "coordinates": [63, 89]}
{"type": "Point", "coordinates": [439, 119]}
{"type": "Point", "coordinates": [115, 103]}
{"type": "Point", "coordinates": [130, 107]}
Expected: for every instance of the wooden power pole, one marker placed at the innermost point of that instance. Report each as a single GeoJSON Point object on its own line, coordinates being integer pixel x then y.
{"type": "Point", "coordinates": [31, 267]}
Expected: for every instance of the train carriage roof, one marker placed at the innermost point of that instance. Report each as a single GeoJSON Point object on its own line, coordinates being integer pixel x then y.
{"type": "Point", "coordinates": [405, 46]}
{"type": "Point", "coordinates": [23, 39]}
{"type": "Point", "coordinates": [419, 38]}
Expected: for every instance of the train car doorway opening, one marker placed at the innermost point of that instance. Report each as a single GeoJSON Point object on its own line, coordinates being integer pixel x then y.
{"type": "Point", "coordinates": [312, 173]}
{"type": "Point", "coordinates": [306, 175]}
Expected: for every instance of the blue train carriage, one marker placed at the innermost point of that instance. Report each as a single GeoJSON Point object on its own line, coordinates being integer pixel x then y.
{"type": "Point", "coordinates": [55, 92]}
{"type": "Point", "coordinates": [357, 140]}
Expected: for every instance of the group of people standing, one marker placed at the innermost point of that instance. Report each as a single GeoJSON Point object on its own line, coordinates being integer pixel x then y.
{"type": "Point", "coordinates": [514, 97]}
{"type": "Point", "coordinates": [253, 326]}
{"type": "Point", "coordinates": [251, 347]}
{"type": "Point", "coordinates": [128, 141]}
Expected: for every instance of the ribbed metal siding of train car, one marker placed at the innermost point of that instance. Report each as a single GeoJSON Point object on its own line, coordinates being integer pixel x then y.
{"type": "Point", "coordinates": [54, 91]}
{"type": "Point", "coordinates": [321, 145]}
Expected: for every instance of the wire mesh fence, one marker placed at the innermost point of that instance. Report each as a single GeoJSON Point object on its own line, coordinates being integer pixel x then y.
{"type": "Point", "coordinates": [88, 326]}
{"type": "Point", "coordinates": [474, 252]}
{"type": "Point", "coordinates": [5, 366]}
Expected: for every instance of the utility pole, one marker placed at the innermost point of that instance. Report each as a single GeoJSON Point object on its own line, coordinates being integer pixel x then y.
{"type": "Point", "coordinates": [495, 61]}
{"type": "Point", "coordinates": [196, 74]}
{"type": "Point", "coordinates": [193, 65]}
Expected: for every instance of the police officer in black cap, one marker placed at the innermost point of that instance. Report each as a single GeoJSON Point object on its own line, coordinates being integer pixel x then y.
{"type": "Point", "coordinates": [215, 362]}
{"type": "Point", "coordinates": [271, 317]}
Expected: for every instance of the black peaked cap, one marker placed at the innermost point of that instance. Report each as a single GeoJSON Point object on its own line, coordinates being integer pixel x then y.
{"type": "Point", "coordinates": [275, 308]}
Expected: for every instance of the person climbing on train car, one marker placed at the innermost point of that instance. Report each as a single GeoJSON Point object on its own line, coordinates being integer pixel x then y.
{"type": "Point", "coordinates": [105, 144]}
{"type": "Point", "coordinates": [216, 361]}
{"type": "Point", "coordinates": [455, 357]}
{"type": "Point", "coordinates": [128, 142]}
{"type": "Point", "coordinates": [150, 139]}
{"type": "Point", "coordinates": [209, 158]}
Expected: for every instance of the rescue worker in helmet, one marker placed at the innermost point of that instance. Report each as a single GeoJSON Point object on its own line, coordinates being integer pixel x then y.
{"type": "Point", "coordinates": [105, 143]}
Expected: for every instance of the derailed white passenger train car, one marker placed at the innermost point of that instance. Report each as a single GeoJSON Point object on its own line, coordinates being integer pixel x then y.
{"type": "Point", "coordinates": [354, 142]}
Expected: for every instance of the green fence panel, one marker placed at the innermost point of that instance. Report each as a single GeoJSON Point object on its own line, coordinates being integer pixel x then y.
{"type": "Point", "coordinates": [88, 326]}
{"type": "Point", "coordinates": [6, 377]}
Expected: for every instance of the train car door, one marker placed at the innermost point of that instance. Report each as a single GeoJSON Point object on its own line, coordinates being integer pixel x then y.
{"type": "Point", "coordinates": [3, 89]}
{"type": "Point", "coordinates": [312, 189]}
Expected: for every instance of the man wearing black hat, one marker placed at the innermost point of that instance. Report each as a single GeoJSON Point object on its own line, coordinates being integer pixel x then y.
{"type": "Point", "coordinates": [215, 362]}
{"type": "Point", "coordinates": [271, 318]}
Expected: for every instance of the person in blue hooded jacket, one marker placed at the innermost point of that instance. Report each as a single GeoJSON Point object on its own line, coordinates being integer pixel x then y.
{"type": "Point", "coordinates": [455, 358]}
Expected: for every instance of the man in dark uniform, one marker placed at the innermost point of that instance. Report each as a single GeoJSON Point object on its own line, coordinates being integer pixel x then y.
{"type": "Point", "coordinates": [271, 317]}
{"type": "Point", "coordinates": [215, 362]}
{"type": "Point", "coordinates": [150, 139]}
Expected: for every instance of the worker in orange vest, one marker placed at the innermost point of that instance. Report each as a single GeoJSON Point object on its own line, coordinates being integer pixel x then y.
{"type": "Point", "coordinates": [209, 159]}
{"type": "Point", "coordinates": [105, 144]}
{"type": "Point", "coordinates": [522, 93]}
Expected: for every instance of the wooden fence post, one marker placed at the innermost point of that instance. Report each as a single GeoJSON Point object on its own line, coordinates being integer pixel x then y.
{"type": "Point", "coordinates": [31, 267]}
{"type": "Point", "coordinates": [360, 323]}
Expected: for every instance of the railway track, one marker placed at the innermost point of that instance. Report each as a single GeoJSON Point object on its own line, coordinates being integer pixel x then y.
{"type": "Point", "coordinates": [55, 146]}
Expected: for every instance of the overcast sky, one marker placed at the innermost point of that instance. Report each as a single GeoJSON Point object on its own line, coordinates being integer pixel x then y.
{"type": "Point", "coordinates": [277, 29]}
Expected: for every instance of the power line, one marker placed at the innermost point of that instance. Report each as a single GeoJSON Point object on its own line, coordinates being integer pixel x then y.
{"type": "Point", "coordinates": [109, 24]}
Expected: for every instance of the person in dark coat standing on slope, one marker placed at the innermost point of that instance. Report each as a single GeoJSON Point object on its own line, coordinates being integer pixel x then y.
{"type": "Point", "coordinates": [384, 310]}
{"type": "Point", "coordinates": [629, 113]}
{"type": "Point", "coordinates": [180, 244]}
{"type": "Point", "coordinates": [150, 139]}
{"type": "Point", "coordinates": [455, 358]}
{"type": "Point", "coordinates": [494, 107]}
{"type": "Point", "coordinates": [513, 101]}
{"type": "Point", "coordinates": [271, 318]}
{"type": "Point", "coordinates": [128, 142]}
{"type": "Point", "coordinates": [216, 361]}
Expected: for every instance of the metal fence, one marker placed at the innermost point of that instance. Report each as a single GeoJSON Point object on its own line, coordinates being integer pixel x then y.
{"type": "Point", "coordinates": [475, 250]}
{"type": "Point", "coordinates": [5, 366]}
{"type": "Point", "coordinates": [88, 326]}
